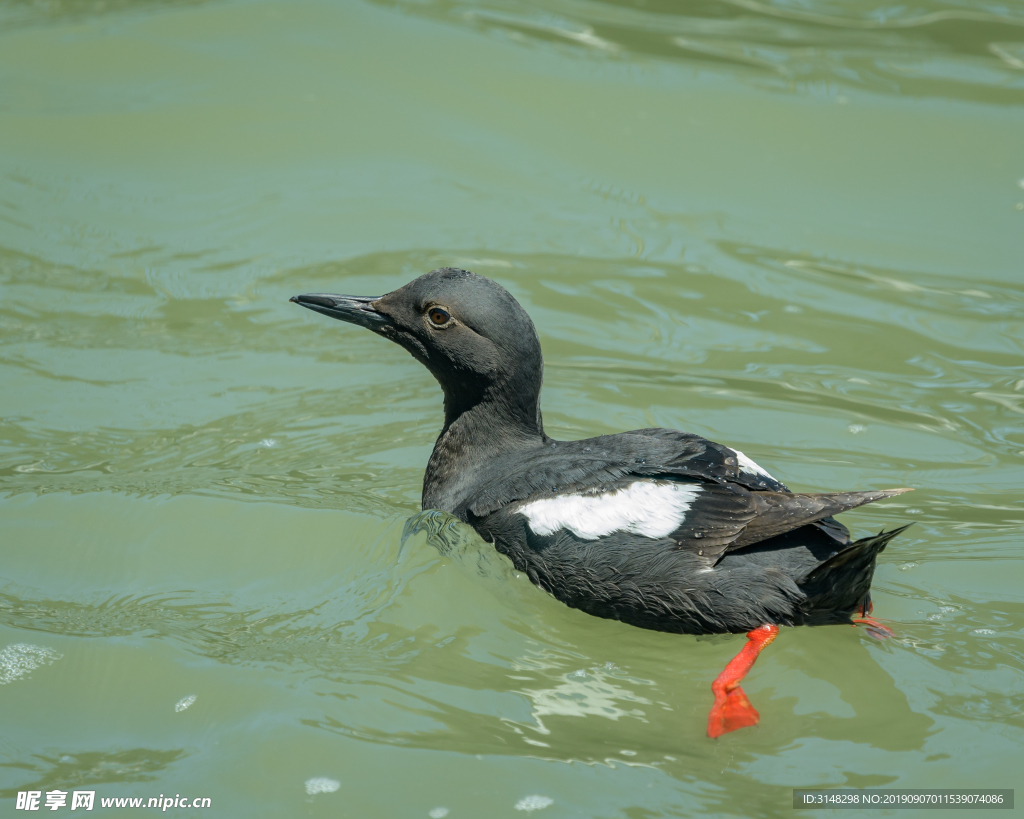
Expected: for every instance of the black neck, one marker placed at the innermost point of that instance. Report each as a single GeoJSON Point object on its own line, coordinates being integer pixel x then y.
{"type": "Point", "coordinates": [475, 435]}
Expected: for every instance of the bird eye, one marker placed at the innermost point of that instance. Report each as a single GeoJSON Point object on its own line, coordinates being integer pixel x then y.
{"type": "Point", "coordinates": [438, 316]}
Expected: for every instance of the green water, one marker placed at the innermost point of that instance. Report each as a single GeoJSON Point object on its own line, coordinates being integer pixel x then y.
{"type": "Point", "coordinates": [795, 227]}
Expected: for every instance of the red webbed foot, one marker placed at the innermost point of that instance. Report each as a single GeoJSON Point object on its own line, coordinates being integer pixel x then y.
{"type": "Point", "coordinates": [878, 630]}
{"type": "Point", "coordinates": [732, 710]}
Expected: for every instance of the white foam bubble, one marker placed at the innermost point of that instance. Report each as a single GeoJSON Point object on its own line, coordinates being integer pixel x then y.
{"type": "Point", "coordinates": [438, 813]}
{"type": "Point", "coordinates": [534, 802]}
{"type": "Point", "coordinates": [184, 703]}
{"type": "Point", "coordinates": [321, 784]}
{"type": "Point", "coordinates": [18, 659]}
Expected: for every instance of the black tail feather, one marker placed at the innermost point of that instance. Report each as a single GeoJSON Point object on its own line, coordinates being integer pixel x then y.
{"type": "Point", "coordinates": [865, 547]}
{"type": "Point", "coordinates": [841, 584]}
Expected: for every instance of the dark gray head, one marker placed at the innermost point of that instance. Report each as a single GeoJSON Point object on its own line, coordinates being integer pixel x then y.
{"type": "Point", "coordinates": [469, 331]}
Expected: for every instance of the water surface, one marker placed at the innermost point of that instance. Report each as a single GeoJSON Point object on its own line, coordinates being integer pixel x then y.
{"type": "Point", "coordinates": [793, 227]}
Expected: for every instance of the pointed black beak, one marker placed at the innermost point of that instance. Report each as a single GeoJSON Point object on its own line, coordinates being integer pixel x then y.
{"type": "Point", "coordinates": [353, 309]}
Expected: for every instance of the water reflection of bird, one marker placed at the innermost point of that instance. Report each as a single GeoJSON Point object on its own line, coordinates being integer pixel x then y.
{"type": "Point", "coordinates": [657, 528]}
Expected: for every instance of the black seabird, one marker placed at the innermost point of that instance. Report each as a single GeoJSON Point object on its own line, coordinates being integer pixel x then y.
{"type": "Point", "coordinates": [657, 528]}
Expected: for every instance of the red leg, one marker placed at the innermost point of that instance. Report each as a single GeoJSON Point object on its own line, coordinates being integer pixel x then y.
{"type": "Point", "coordinates": [732, 709]}
{"type": "Point", "coordinates": [874, 628]}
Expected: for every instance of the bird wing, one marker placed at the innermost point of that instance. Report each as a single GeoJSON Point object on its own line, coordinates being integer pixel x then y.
{"type": "Point", "coordinates": [729, 520]}
{"type": "Point", "coordinates": [570, 466]}
{"type": "Point", "coordinates": [661, 484]}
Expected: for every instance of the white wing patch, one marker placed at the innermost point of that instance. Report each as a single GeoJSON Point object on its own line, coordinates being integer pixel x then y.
{"type": "Point", "coordinates": [649, 508]}
{"type": "Point", "coordinates": [748, 465]}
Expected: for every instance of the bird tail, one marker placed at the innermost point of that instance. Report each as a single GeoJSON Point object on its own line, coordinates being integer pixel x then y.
{"type": "Point", "coordinates": [842, 583]}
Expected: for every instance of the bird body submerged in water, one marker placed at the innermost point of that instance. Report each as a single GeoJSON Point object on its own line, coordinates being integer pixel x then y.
{"type": "Point", "coordinates": [657, 528]}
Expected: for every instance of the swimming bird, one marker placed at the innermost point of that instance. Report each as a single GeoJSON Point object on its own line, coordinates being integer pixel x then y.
{"type": "Point", "coordinates": [657, 528]}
